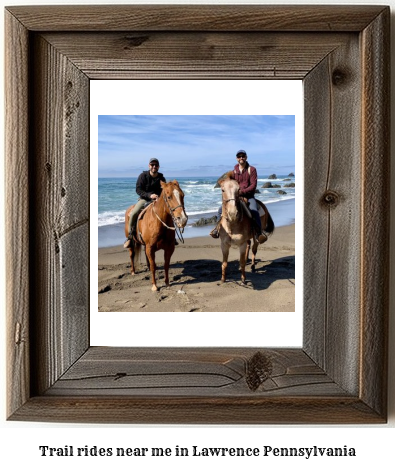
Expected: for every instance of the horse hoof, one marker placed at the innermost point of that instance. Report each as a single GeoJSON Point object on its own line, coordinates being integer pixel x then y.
{"type": "Point", "coordinates": [253, 268]}
{"type": "Point", "coordinates": [154, 289]}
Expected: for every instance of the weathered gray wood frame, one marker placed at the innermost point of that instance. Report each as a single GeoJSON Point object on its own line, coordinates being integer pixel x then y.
{"type": "Point", "coordinates": [340, 374]}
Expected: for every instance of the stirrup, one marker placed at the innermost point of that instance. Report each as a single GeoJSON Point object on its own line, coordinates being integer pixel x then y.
{"type": "Point", "coordinates": [214, 233]}
{"type": "Point", "coordinates": [129, 241]}
{"type": "Point", "coordinates": [262, 237]}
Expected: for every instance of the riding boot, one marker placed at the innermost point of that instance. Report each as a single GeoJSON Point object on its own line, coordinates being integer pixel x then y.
{"type": "Point", "coordinates": [260, 235]}
{"type": "Point", "coordinates": [130, 241]}
{"type": "Point", "coordinates": [214, 232]}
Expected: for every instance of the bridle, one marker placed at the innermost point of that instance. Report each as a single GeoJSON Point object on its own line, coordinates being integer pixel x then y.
{"type": "Point", "coordinates": [171, 210]}
{"type": "Point", "coordinates": [237, 202]}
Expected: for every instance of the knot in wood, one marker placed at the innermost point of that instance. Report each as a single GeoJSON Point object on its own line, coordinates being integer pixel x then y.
{"type": "Point", "coordinates": [135, 41]}
{"type": "Point", "coordinates": [259, 369]}
{"type": "Point", "coordinates": [339, 77]}
{"type": "Point", "coordinates": [330, 199]}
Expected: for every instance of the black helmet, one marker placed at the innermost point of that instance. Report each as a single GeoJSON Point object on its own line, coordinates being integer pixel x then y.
{"type": "Point", "coordinates": [241, 152]}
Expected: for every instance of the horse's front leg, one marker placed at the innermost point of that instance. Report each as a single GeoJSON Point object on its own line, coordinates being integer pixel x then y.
{"type": "Point", "coordinates": [168, 253]}
{"type": "Point", "coordinates": [243, 250]}
{"type": "Point", "coordinates": [225, 255]}
{"type": "Point", "coordinates": [150, 253]}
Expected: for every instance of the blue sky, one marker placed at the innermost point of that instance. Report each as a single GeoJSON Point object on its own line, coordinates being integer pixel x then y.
{"type": "Point", "coordinates": [194, 145]}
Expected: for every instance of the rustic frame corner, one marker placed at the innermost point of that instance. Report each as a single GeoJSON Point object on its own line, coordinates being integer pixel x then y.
{"type": "Point", "coordinates": [340, 374]}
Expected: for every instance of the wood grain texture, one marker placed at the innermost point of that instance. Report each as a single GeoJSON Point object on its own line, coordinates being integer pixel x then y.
{"type": "Point", "coordinates": [198, 410]}
{"type": "Point", "coordinates": [332, 214]}
{"type": "Point", "coordinates": [60, 247]}
{"type": "Point", "coordinates": [375, 211]}
{"type": "Point", "coordinates": [196, 54]}
{"type": "Point", "coordinates": [17, 213]}
{"type": "Point", "coordinates": [339, 376]}
{"type": "Point", "coordinates": [123, 385]}
{"type": "Point", "coordinates": [196, 17]}
{"type": "Point", "coordinates": [186, 372]}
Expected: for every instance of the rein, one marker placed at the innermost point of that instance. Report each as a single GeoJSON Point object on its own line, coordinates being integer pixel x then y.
{"type": "Point", "coordinates": [171, 209]}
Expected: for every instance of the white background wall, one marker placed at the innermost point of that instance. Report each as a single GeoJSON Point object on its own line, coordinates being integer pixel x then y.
{"type": "Point", "coordinates": [19, 442]}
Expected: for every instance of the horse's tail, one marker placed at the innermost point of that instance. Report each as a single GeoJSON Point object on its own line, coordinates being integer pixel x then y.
{"type": "Point", "coordinates": [269, 224]}
{"type": "Point", "coordinates": [137, 254]}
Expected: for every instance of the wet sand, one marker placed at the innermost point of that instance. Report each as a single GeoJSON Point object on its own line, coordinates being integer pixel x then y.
{"type": "Point", "coordinates": [195, 279]}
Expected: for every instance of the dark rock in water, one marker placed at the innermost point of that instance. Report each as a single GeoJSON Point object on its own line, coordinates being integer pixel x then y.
{"type": "Point", "coordinates": [281, 192]}
{"type": "Point", "coordinates": [205, 221]}
{"type": "Point", "coordinates": [257, 191]}
{"type": "Point", "coordinates": [290, 185]}
{"type": "Point", "coordinates": [270, 185]}
{"type": "Point", "coordinates": [272, 177]}
{"type": "Point", "coordinates": [287, 179]}
{"type": "Point", "coordinates": [291, 174]}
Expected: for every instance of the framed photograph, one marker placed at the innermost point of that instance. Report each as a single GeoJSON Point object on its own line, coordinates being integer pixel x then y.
{"type": "Point", "coordinates": [339, 374]}
{"type": "Point", "coordinates": [195, 139]}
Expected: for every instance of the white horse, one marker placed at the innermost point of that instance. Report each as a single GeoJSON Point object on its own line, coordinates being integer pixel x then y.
{"type": "Point", "coordinates": [236, 227]}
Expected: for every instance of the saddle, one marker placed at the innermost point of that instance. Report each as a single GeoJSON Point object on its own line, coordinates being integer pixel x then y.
{"type": "Point", "coordinates": [244, 205]}
{"type": "Point", "coordinates": [137, 234]}
{"type": "Point", "coordinates": [144, 210]}
{"type": "Point", "coordinates": [246, 210]}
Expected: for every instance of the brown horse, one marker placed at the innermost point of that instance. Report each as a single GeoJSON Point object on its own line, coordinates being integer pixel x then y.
{"type": "Point", "coordinates": [156, 229]}
{"type": "Point", "coordinates": [236, 227]}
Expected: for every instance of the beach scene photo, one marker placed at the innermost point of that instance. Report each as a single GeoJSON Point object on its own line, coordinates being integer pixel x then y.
{"type": "Point", "coordinates": [196, 150]}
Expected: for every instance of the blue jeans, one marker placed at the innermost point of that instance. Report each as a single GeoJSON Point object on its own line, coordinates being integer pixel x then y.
{"type": "Point", "coordinates": [253, 207]}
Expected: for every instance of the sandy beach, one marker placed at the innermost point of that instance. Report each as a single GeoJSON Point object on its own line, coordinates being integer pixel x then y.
{"type": "Point", "coordinates": [195, 274]}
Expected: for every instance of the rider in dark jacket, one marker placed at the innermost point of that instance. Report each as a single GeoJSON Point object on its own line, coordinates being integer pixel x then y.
{"type": "Point", "coordinates": [149, 189]}
{"type": "Point", "coordinates": [149, 184]}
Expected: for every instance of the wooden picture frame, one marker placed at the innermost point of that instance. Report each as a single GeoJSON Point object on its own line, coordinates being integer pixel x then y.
{"type": "Point", "coordinates": [340, 374]}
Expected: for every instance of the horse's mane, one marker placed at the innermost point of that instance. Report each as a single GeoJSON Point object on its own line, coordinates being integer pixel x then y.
{"type": "Point", "coordinates": [229, 175]}
{"type": "Point", "coordinates": [172, 183]}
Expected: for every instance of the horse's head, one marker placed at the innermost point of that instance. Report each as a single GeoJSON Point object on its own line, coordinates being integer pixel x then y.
{"type": "Point", "coordinates": [174, 198]}
{"type": "Point", "coordinates": [230, 198]}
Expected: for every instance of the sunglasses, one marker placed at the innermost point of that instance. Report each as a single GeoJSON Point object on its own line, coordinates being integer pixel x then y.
{"type": "Point", "coordinates": [241, 156]}
{"type": "Point", "coordinates": [154, 164]}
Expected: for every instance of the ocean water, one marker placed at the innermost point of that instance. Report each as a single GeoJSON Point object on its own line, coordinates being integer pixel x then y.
{"type": "Point", "coordinates": [201, 199]}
